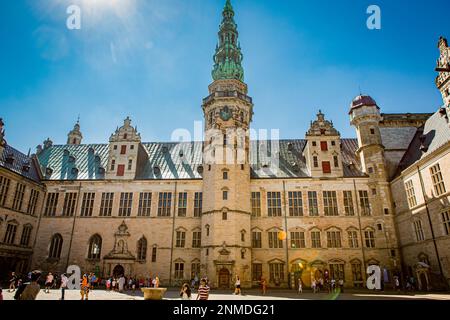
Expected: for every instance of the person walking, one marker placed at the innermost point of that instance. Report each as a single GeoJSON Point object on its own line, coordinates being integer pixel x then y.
{"type": "Point", "coordinates": [85, 288]}
{"type": "Point", "coordinates": [341, 285]}
{"type": "Point", "coordinates": [203, 290]}
{"type": "Point", "coordinates": [121, 283]}
{"type": "Point", "coordinates": [48, 282]}
{"type": "Point", "coordinates": [156, 282]}
{"type": "Point", "coordinates": [314, 285]}
{"type": "Point", "coordinates": [237, 290]}
{"type": "Point", "coordinates": [64, 282]}
{"type": "Point", "coordinates": [300, 286]}
{"type": "Point", "coordinates": [93, 280]}
{"type": "Point", "coordinates": [12, 282]}
{"type": "Point", "coordinates": [263, 286]}
{"type": "Point", "coordinates": [185, 292]}
{"type": "Point", "coordinates": [1, 294]}
{"type": "Point", "coordinates": [29, 290]}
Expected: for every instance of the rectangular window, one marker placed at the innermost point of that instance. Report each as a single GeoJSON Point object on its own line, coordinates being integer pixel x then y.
{"type": "Point", "coordinates": [113, 165]}
{"type": "Point", "coordinates": [353, 239]}
{"type": "Point", "coordinates": [179, 270]}
{"type": "Point", "coordinates": [418, 229]}
{"type": "Point", "coordinates": [313, 204]}
{"type": "Point", "coordinates": [276, 271]}
{"type": "Point", "coordinates": [298, 240]}
{"type": "Point", "coordinates": [181, 239]}
{"type": "Point", "coordinates": [295, 204]}
{"type": "Point", "coordinates": [51, 204]}
{"type": "Point", "coordinates": [256, 204]}
{"type": "Point", "coordinates": [164, 204]}
{"type": "Point", "coordinates": [10, 234]}
{"type": "Point", "coordinates": [330, 205]}
{"type": "Point", "coordinates": [410, 194]}
{"type": "Point", "coordinates": [336, 161]}
{"type": "Point", "coordinates": [256, 239]}
{"type": "Point", "coordinates": [274, 241]}
{"type": "Point", "coordinates": [4, 187]}
{"type": "Point", "coordinates": [274, 204]}
{"type": "Point", "coordinates": [123, 149]}
{"type": "Point", "coordinates": [130, 164]}
{"type": "Point", "coordinates": [323, 145]}
{"type": "Point", "coordinates": [315, 161]}
{"type": "Point", "coordinates": [357, 275]}
{"type": "Point", "coordinates": [154, 250]}
{"type": "Point", "coordinates": [225, 195]}
{"type": "Point", "coordinates": [18, 197]}
{"type": "Point", "coordinates": [256, 271]}
{"type": "Point", "coordinates": [34, 197]}
{"type": "Point", "coordinates": [87, 206]}
{"type": "Point", "coordinates": [369, 238]}
{"type": "Point", "coordinates": [326, 167]}
{"type": "Point", "coordinates": [106, 204]}
{"type": "Point", "coordinates": [438, 181]}
{"type": "Point", "coordinates": [446, 222]}
{"type": "Point", "coordinates": [182, 204]}
{"type": "Point", "coordinates": [120, 170]}
{"type": "Point", "coordinates": [364, 203]}
{"type": "Point", "coordinates": [225, 175]}
{"type": "Point", "coordinates": [145, 204]}
{"type": "Point", "coordinates": [334, 239]}
{"type": "Point", "coordinates": [315, 239]}
{"type": "Point", "coordinates": [348, 204]}
{"type": "Point", "coordinates": [70, 201]}
{"type": "Point", "coordinates": [196, 239]}
{"type": "Point", "coordinates": [126, 202]}
{"type": "Point", "coordinates": [198, 204]}
{"type": "Point", "coordinates": [26, 235]}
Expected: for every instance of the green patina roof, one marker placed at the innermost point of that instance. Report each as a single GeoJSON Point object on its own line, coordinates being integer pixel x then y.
{"type": "Point", "coordinates": [86, 162]}
{"type": "Point", "coordinates": [228, 57]}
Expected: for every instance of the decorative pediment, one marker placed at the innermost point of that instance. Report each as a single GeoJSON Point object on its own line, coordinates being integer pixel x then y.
{"type": "Point", "coordinates": [120, 250]}
{"type": "Point", "coordinates": [224, 251]}
{"type": "Point", "coordinates": [322, 127]}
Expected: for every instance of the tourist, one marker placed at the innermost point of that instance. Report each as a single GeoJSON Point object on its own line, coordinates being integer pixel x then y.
{"type": "Point", "coordinates": [93, 280]}
{"type": "Point", "coordinates": [185, 292]}
{"type": "Point", "coordinates": [48, 282]}
{"type": "Point", "coordinates": [84, 287]}
{"type": "Point", "coordinates": [237, 285]}
{"type": "Point", "coordinates": [1, 294]}
{"type": "Point", "coordinates": [64, 282]}
{"type": "Point", "coordinates": [397, 283]}
{"type": "Point", "coordinates": [108, 284]}
{"type": "Point", "coordinates": [193, 283]}
{"type": "Point", "coordinates": [130, 283]}
{"type": "Point", "coordinates": [314, 286]}
{"type": "Point", "coordinates": [333, 286]}
{"type": "Point", "coordinates": [300, 286]}
{"type": "Point", "coordinates": [114, 282]}
{"type": "Point", "coordinates": [121, 283]}
{"type": "Point", "coordinates": [203, 290]}
{"type": "Point", "coordinates": [29, 290]}
{"type": "Point", "coordinates": [12, 282]}
{"type": "Point", "coordinates": [341, 285]}
{"type": "Point", "coordinates": [156, 282]}
{"type": "Point", "coordinates": [263, 286]}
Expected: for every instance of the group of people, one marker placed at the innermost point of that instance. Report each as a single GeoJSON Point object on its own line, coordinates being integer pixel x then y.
{"type": "Point", "coordinates": [202, 292]}
{"type": "Point", "coordinates": [121, 283]}
{"type": "Point", "coordinates": [330, 286]}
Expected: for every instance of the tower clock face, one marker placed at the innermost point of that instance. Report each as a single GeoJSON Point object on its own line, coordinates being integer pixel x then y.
{"type": "Point", "coordinates": [225, 113]}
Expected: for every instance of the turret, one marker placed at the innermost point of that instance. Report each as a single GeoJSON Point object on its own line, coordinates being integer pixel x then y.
{"type": "Point", "coordinates": [2, 137]}
{"type": "Point", "coordinates": [75, 136]}
{"type": "Point", "coordinates": [443, 78]}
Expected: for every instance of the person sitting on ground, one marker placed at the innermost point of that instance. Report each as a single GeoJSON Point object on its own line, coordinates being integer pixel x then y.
{"type": "Point", "coordinates": [29, 290]}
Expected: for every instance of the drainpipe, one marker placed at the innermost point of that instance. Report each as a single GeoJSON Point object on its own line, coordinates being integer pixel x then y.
{"type": "Point", "coordinates": [173, 233]}
{"type": "Point", "coordinates": [358, 212]}
{"type": "Point", "coordinates": [38, 224]}
{"type": "Point", "coordinates": [286, 230]}
{"type": "Point", "coordinates": [73, 224]}
{"type": "Point", "coordinates": [422, 185]}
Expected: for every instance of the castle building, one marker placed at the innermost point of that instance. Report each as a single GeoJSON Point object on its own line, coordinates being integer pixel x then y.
{"type": "Point", "coordinates": [319, 207]}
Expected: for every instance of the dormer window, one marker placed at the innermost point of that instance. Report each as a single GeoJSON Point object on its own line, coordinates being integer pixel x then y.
{"type": "Point", "coordinates": [71, 159]}
{"type": "Point", "coordinates": [322, 131]}
{"type": "Point", "coordinates": [123, 149]}
{"type": "Point", "coordinates": [336, 161]}
{"type": "Point", "coordinates": [225, 195]}
{"type": "Point", "coordinates": [74, 171]}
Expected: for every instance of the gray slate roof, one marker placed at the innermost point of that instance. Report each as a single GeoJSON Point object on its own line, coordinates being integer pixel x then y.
{"type": "Point", "coordinates": [435, 133]}
{"type": "Point", "coordinates": [18, 163]}
{"type": "Point", "coordinates": [90, 159]}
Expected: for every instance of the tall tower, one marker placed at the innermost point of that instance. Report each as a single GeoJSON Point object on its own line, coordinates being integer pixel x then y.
{"type": "Point", "coordinates": [443, 79]}
{"type": "Point", "coordinates": [74, 137]}
{"type": "Point", "coordinates": [226, 179]}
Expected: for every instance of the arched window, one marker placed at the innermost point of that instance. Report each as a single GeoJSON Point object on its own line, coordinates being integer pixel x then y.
{"type": "Point", "coordinates": [95, 247]}
{"type": "Point", "coordinates": [142, 249]}
{"type": "Point", "coordinates": [55, 246]}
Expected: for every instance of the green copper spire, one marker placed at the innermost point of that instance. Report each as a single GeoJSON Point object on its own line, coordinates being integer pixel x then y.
{"type": "Point", "coordinates": [228, 56]}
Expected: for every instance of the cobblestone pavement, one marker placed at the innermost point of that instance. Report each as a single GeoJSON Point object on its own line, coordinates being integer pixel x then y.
{"type": "Point", "coordinates": [172, 294]}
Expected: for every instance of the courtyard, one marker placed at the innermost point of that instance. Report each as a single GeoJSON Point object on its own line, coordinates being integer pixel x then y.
{"type": "Point", "coordinates": [173, 294]}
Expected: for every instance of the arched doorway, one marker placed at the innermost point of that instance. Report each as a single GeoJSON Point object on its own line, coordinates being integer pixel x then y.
{"type": "Point", "coordinates": [118, 271]}
{"type": "Point", "coordinates": [224, 279]}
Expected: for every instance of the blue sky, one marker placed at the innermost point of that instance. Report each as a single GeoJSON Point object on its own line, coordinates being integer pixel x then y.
{"type": "Point", "coordinates": [152, 60]}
